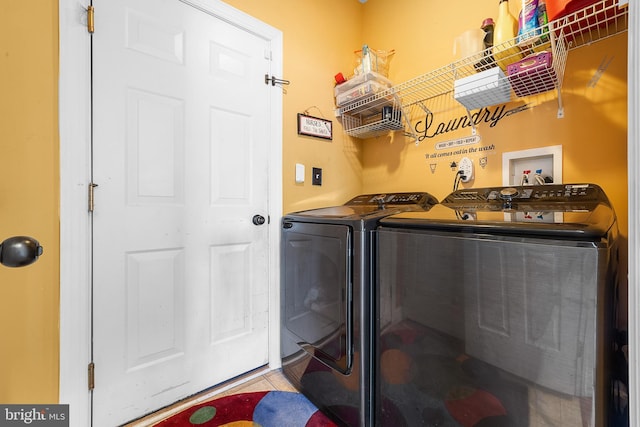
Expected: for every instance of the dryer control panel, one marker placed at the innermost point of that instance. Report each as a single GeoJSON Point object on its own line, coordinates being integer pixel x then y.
{"type": "Point", "coordinates": [418, 198]}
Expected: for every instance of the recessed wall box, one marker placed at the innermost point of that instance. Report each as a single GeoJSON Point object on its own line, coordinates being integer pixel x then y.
{"type": "Point", "coordinates": [546, 159]}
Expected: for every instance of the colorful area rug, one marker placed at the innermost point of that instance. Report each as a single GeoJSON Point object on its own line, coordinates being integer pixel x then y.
{"type": "Point", "coordinates": [258, 409]}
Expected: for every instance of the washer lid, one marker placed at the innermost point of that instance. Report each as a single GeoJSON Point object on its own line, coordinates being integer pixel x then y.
{"type": "Point", "coordinates": [373, 206]}
{"type": "Point", "coordinates": [347, 212]}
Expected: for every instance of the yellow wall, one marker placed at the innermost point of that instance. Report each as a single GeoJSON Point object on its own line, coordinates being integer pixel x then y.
{"type": "Point", "coordinates": [593, 132]}
{"type": "Point", "coordinates": [319, 40]}
{"type": "Point", "coordinates": [320, 37]}
{"type": "Point", "coordinates": [29, 193]}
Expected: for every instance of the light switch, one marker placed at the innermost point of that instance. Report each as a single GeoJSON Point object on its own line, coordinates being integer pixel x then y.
{"type": "Point", "coordinates": [316, 176]}
{"type": "Point", "coordinates": [299, 173]}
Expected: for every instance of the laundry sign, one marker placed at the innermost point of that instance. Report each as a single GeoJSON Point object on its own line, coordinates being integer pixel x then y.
{"type": "Point", "coordinates": [315, 126]}
{"type": "Point", "coordinates": [467, 140]}
{"type": "Point", "coordinates": [460, 151]}
{"type": "Point", "coordinates": [429, 128]}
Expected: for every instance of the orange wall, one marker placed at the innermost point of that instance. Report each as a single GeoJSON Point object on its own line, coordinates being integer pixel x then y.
{"type": "Point", "coordinates": [319, 37]}
{"type": "Point", "coordinates": [593, 132]}
{"type": "Point", "coordinates": [29, 193]}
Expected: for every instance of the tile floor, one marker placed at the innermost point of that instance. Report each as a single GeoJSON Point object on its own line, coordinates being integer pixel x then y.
{"type": "Point", "coordinates": [261, 379]}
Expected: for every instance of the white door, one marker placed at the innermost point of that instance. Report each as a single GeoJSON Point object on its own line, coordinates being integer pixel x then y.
{"type": "Point", "coordinates": [180, 271]}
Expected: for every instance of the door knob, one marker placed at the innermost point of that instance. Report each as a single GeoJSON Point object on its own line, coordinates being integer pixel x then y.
{"type": "Point", "coordinates": [19, 251]}
{"type": "Point", "coordinates": [258, 220]}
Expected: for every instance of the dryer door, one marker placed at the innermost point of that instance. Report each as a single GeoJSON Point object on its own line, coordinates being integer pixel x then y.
{"type": "Point", "coordinates": [317, 291]}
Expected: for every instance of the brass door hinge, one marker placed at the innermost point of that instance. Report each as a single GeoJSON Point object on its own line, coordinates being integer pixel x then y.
{"type": "Point", "coordinates": [91, 195]}
{"type": "Point", "coordinates": [91, 376]}
{"type": "Point", "coordinates": [90, 19]}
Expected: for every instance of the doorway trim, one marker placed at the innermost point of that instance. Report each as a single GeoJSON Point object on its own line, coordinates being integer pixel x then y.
{"type": "Point", "coordinates": [633, 177]}
{"type": "Point", "coordinates": [74, 107]}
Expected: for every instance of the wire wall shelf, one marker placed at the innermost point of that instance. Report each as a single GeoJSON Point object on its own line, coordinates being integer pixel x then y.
{"type": "Point", "coordinates": [443, 89]}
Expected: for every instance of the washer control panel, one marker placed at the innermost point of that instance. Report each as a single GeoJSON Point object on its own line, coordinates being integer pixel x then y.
{"type": "Point", "coordinates": [554, 194]}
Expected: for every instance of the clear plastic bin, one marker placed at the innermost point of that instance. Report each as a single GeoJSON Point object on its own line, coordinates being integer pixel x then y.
{"type": "Point", "coordinates": [373, 60]}
{"type": "Point", "coordinates": [360, 86]}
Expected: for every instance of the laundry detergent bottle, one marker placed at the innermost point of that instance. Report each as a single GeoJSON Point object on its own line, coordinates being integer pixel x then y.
{"type": "Point", "coordinates": [528, 30]}
{"type": "Point", "coordinates": [505, 51]}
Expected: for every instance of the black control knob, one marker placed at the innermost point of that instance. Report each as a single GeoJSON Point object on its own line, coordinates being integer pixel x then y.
{"type": "Point", "coordinates": [258, 220]}
{"type": "Point", "coordinates": [508, 193]}
{"type": "Point", "coordinates": [380, 199]}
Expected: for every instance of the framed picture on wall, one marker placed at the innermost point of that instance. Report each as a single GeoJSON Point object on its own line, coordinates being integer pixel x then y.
{"type": "Point", "coordinates": [315, 126]}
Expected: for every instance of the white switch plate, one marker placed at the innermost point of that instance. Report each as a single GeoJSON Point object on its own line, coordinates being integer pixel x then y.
{"type": "Point", "coordinates": [299, 173]}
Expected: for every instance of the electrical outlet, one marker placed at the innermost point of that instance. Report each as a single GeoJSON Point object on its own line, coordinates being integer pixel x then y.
{"type": "Point", "coordinates": [316, 177]}
{"type": "Point", "coordinates": [466, 167]}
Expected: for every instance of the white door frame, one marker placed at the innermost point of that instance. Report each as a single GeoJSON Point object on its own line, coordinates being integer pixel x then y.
{"type": "Point", "coordinates": [633, 178]}
{"type": "Point", "coordinates": [75, 175]}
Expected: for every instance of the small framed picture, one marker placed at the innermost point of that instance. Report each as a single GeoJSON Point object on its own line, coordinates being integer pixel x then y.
{"type": "Point", "coordinates": [315, 126]}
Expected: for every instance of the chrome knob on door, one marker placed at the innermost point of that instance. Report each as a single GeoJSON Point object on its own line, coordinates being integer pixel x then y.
{"type": "Point", "coordinates": [258, 220]}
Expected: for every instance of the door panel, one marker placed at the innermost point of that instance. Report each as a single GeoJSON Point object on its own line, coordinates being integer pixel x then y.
{"type": "Point", "coordinates": [155, 148]}
{"type": "Point", "coordinates": [154, 332]}
{"type": "Point", "coordinates": [180, 289]}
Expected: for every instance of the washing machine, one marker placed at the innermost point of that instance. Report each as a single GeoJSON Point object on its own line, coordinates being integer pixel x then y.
{"type": "Point", "coordinates": [327, 300]}
{"type": "Point", "coordinates": [498, 307]}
